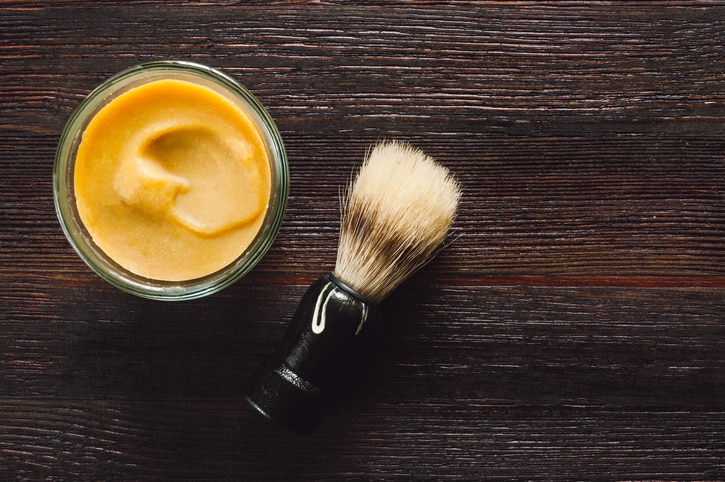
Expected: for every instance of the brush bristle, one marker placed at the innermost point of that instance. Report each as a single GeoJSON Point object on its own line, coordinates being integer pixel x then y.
{"type": "Point", "coordinates": [400, 207]}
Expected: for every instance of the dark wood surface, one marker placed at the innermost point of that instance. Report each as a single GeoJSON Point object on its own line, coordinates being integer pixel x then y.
{"type": "Point", "coordinates": [575, 329]}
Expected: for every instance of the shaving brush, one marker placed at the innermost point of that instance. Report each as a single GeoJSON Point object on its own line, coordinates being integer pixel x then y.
{"type": "Point", "coordinates": [399, 209]}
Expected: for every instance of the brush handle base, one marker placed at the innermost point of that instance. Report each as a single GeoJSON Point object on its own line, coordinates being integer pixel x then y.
{"type": "Point", "coordinates": [283, 399]}
{"type": "Point", "coordinates": [328, 328]}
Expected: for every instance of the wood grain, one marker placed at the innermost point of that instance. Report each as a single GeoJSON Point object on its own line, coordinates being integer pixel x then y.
{"type": "Point", "coordinates": [150, 440]}
{"type": "Point", "coordinates": [574, 328]}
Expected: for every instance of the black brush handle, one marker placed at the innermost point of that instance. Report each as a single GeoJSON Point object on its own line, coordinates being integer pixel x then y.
{"type": "Point", "coordinates": [295, 386]}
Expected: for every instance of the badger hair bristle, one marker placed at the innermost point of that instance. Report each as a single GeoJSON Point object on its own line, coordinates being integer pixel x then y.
{"type": "Point", "coordinates": [400, 207]}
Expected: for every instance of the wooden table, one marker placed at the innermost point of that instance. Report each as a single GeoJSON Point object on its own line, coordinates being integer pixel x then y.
{"type": "Point", "coordinates": [575, 328]}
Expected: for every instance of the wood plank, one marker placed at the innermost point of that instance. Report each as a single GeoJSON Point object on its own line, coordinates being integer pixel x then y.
{"type": "Point", "coordinates": [531, 70]}
{"type": "Point", "coordinates": [217, 440]}
{"type": "Point", "coordinates": [517, 344]}
{"type": "Point", "coordinates": [632, 206]}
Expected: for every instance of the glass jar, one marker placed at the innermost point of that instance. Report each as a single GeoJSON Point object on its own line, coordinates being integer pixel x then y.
{"type": "Point", "coordinates": [65, 198]}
